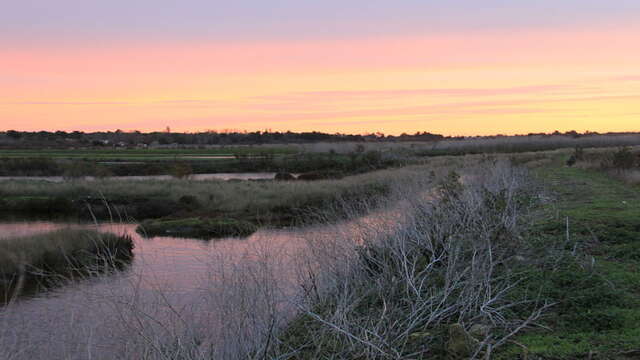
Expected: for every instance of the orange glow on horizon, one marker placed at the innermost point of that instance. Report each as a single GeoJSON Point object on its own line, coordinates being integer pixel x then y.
{"type": "Point", "coordinates": [455, 84]}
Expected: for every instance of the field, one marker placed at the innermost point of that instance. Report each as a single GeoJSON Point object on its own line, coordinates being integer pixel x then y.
{"type": "Point", "coordinates": [184, 162]}
{"type": "Point", "coordinates": [596, 219]}
{"type": "Point", "coordinates": [121, 154]}
{"type": "Point", "coordinates": [481, 145]}
{"type": "Point", "coordinates": [341, 158]}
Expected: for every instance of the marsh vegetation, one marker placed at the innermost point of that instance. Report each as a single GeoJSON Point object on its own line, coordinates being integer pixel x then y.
{"type": "Point", "coordinates": [30, 263]}
{"type": "Point", "coordinates": [259, 202]}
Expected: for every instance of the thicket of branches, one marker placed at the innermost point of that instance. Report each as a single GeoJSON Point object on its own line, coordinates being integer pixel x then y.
{"type": "Point", "coordinates": [436, 277]}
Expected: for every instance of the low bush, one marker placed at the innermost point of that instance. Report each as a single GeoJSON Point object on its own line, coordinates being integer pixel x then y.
{"type": "Point", "coordinates": [623, 159]}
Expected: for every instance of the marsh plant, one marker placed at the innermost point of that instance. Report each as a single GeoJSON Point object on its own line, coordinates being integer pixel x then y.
{"type": "Point", "coordinates": [623, 159]}
{"type": "Point", "coordinates": [33, 263]}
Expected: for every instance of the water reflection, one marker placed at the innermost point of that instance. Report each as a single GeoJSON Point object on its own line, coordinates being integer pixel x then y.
{"type": "Point", "coordinates": [172, 286]}
{"type": "Point", "coordinates": [220, 295]}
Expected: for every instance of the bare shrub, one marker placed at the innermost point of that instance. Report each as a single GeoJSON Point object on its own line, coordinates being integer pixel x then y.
{"type": "Point", "coordinates": [445, 255]}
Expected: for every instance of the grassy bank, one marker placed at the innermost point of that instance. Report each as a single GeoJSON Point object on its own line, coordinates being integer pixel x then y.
{"type": "Point", "coordinates": [38, 261]}
{"type": "Point", "coordinates": [259, 202]}
{"type": "Point", "coordinates": [594, 227]}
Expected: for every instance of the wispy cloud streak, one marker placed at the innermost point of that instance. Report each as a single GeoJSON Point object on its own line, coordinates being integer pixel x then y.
{"type": "Point", "coordinates": [69, 103]}
{"type": "Point", "coordinates": [418, 92]}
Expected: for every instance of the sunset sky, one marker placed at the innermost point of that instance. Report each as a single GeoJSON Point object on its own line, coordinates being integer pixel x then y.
{"type": "Point", "coordinates": [456, 67]}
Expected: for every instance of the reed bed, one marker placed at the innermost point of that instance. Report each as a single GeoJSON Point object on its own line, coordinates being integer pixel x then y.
{"type": "Point", "coordinates": [30, 261]}
{"type": "Point", "coordinates": [485, 144]}
{"type": "Point", "coordinates": [256, 201]}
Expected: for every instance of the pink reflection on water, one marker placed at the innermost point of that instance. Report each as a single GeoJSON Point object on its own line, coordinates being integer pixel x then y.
{"type": "Point", "coordinates": [172, 286]}
{"type": "Point", "coordinates": [222, 292]}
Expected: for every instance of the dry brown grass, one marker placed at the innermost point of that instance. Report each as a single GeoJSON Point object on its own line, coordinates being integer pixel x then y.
{"type": "Point", "coordinates": [504, 144]}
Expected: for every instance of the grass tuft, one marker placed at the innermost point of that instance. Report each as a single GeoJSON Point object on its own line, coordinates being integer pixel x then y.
{"type": "Point", "coordinates": [32, 262]}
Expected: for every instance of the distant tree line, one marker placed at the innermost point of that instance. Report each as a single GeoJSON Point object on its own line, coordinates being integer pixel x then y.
{"type": "Point", "coordinates": [136, 138]}
{"type": "Point", "coordinates": [64, 139]}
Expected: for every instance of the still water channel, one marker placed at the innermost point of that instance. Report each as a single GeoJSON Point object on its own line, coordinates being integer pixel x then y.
{"type": "Point", "coordinates": [222, 295]}
{"type": "Point", "coordinates": [218, 294]}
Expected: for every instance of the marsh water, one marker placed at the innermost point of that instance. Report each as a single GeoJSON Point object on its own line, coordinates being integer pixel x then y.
{"type": "Point", "coordinates": [221, 295]}
{"type": "Point", "coordinates": [175, 288]}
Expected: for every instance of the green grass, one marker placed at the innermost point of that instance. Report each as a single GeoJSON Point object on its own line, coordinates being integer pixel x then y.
{"type": "Point", "coordinates": [39, 259]}
{"type": "Point", "coordinates": [78, 163]}
{"type": "Point", "coordinates": [598, 291]}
